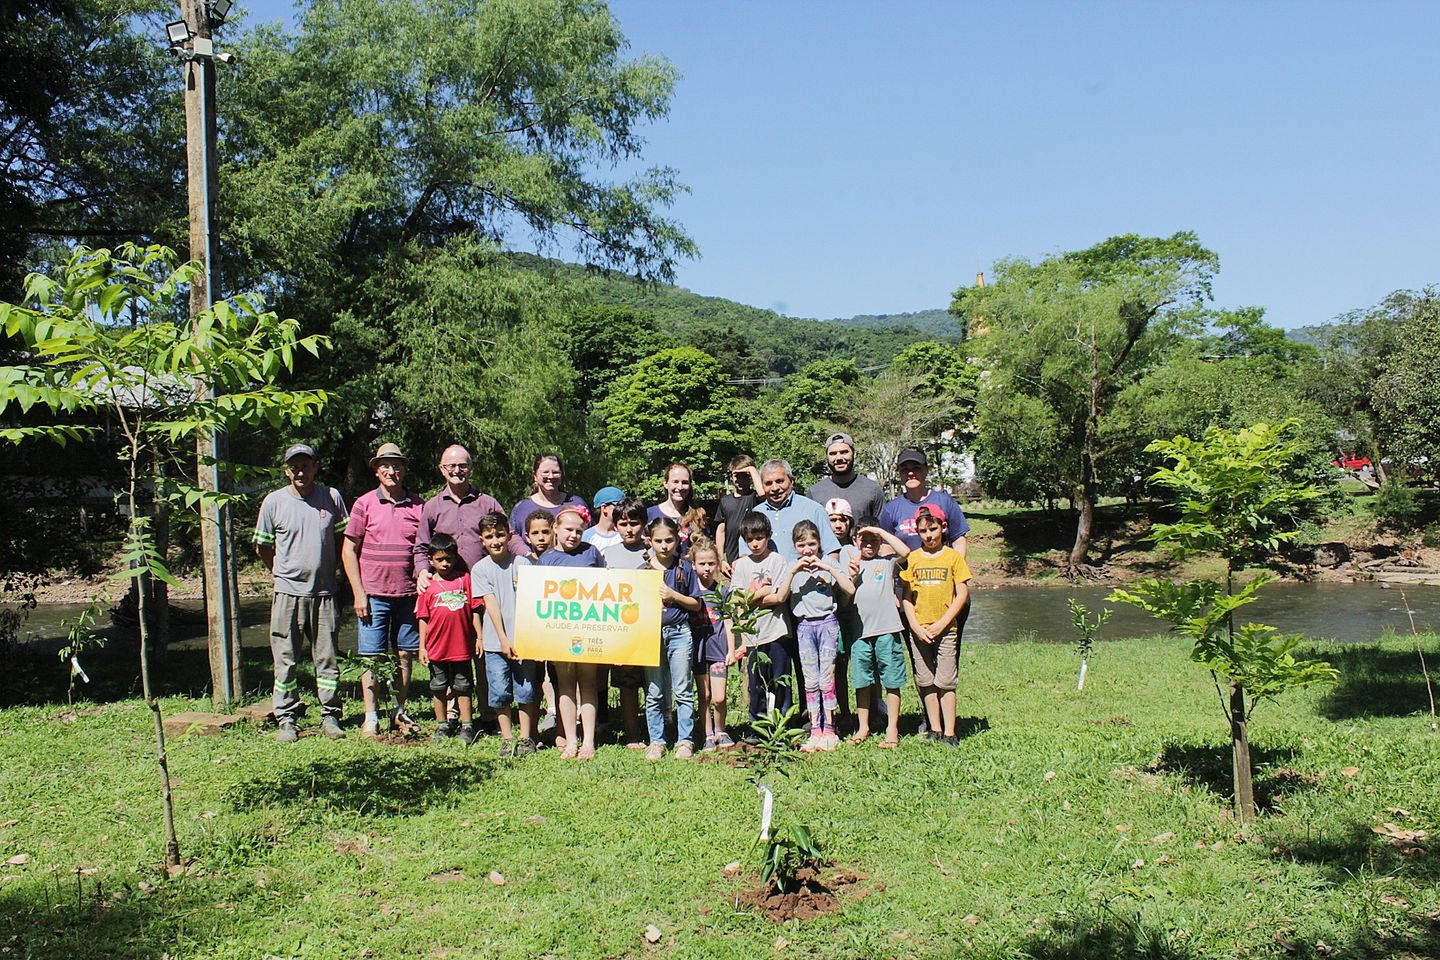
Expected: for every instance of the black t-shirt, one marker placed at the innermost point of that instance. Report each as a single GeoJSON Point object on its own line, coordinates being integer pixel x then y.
{"type": "Point", "coordinates": [730, 511]}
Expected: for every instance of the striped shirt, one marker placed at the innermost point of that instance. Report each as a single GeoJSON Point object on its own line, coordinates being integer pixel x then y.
{"type": "Point", "coordinates": [384, 533]}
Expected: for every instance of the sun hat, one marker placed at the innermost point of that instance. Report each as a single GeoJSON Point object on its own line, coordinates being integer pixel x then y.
{"type": "Point", "coordinates": [387, 451]}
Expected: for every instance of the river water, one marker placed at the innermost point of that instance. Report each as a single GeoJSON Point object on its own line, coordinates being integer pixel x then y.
{"type": "Point", "coordinates": [1348, 612]}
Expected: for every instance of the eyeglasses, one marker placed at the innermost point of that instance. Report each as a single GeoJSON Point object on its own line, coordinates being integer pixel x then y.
{"type": "Point", "coordinates": [454, 466]}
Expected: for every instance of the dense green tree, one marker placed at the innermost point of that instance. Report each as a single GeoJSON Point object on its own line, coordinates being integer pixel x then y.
{"type": "Point", "coordinates": [791, 423]}
{"type": "Point", "coordinates": [375, 155]}
{"type": "Point", "coordinates": [90, 128]}
{"type": "Point", "coordinates": [604, 342]}
{"type": "Point", "coordinates": [1373, 378]}
{"type": "Point", "coordinates": [673, 407]}
{"type": "Point", "coordinates": [1407, 391]}
{"type": "Point", "coordinates": [1074, 330]}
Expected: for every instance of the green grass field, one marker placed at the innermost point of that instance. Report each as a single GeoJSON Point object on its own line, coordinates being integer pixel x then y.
{"type": "Point", "coordinates": [1065, 825]}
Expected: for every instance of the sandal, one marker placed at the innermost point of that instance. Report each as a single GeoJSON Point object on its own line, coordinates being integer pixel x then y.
{"type": "Point", "coordinates": [888, 744]}
{"type": "Point", "coordinates": [858, 737]}
{"type": "Point", "coordinates": [586, 753]}
{"type": "Point", "coordinates": [569, 753]}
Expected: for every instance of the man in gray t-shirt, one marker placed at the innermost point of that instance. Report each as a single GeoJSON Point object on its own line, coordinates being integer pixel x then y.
{"type": "Point", "coordinates": [296, 535]}
{"type": "Point", "coordinates": [864, 495]}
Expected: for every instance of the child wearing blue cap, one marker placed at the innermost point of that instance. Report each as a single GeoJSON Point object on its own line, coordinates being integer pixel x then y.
{"type": "Point", "coordinates": [602, 533]}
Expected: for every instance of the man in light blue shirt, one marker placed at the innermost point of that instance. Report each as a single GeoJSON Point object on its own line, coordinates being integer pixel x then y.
{"type": "Point", "coordinates": [783, 507]}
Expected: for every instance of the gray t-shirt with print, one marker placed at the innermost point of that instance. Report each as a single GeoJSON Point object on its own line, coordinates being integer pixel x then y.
{"type": "Point", "coordinates": [812, 594]}
{"type": "Point", "coordinates": [302, 530]}
{"type": "Point", "coordinates": [491, 579]}
{"type": "Point", "coordinates": [621, 557]}
{"type": "Point", "coordinates": [875, 610]}
{"type": "Point", "coordinates": [772, 624]}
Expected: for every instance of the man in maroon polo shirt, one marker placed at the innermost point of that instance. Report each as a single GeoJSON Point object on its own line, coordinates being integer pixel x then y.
{"type": "Point", "coordinates": [456, 510]}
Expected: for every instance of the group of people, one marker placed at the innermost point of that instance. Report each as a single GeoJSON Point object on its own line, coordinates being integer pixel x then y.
{"type": "Point", "coordinates": [815, 589]}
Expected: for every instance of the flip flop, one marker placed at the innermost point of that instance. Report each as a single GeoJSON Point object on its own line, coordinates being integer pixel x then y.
{"type": "Point", "coordinates": [586, 753]}
{"type": "Point", "coordinates": [856, 738]}
{"type": "Point", "coordinates": [889, 744]}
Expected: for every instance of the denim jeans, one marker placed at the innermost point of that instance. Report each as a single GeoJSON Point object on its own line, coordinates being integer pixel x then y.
{"type": "Point", "coordinates": [674, 677]}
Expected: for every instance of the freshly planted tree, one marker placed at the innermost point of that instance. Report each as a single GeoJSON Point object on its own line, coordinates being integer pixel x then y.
{"type": "Point", "coordinates": [1237, 496]}
{"type": "Point", "coordinates": [101, 350]}
{"type": "Point", "coordinates": [1086, 627]}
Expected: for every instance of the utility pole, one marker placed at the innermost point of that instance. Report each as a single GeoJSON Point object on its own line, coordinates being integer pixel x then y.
{"type": "Point", "coordinates": [221, 592]}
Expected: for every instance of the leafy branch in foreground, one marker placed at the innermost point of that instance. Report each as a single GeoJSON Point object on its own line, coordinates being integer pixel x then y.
{"type": "Point", "coordinates": [1237, 495]}
{"type": "Point", "coordinates": [100, 349]}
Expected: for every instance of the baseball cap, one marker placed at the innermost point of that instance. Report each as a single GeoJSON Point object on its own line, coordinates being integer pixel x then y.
{"type": "Point", "coordinates": [608, 495]}
{"type": "Point", "coordinates": [387, 451]}
{"type": "Point", "coordinates": [839, 505]}
{"type": "Point", "coordinates": [911, 455]}
{"type": "Point", "coordinates": [841, 437]}
{"type": "Point", "coordinates": [299, 449]}
{"type": "Point", "coordinates": [931, 511]}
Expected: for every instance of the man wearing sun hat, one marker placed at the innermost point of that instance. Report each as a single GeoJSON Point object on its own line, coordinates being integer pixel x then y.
{"type": "Point", "coordinates": [295, 535]}
{"type": "Point", "coordinates": [379, 557]}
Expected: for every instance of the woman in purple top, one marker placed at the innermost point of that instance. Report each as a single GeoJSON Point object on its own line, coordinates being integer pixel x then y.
{"type": "Point", "coordinates": [575, 683]}
{"type": "Point", "coordinates": [550, 493]}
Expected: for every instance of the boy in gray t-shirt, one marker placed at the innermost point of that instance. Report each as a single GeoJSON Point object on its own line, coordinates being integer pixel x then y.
{"type": "Point", "coordinates": [878, 655]}
{"type": "Point", "coordinates": [511, 681]}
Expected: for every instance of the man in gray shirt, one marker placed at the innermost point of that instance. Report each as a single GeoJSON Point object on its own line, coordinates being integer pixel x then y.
{"type": "Point", "coordinates": [297, 534]}
{"type": "Point", "coordinates": [865, 496]}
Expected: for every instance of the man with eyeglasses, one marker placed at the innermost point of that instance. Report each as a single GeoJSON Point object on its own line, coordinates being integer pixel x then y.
{"type": "Point", "coordinates": [457, 510]}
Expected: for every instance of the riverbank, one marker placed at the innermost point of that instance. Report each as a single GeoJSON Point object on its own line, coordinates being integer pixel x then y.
{"type": "Point", "coordinates": [1066, 824]}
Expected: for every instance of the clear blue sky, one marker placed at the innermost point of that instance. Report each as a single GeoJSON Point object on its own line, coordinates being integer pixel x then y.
{"type": "Point", "coordinates": [867, 157]}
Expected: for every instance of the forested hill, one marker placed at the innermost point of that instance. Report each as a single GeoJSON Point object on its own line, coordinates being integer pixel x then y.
{"type": "Point", "coordinates": [938, 324]}
{"type": "Point", "coordinates": [750, 342]}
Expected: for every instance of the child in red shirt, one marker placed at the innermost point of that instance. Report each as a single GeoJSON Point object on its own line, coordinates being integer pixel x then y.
{"type": "Point", "coordinates": [449, 625]}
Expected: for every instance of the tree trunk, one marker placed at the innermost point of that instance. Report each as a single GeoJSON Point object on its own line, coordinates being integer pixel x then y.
{"type": "Point", "coordinates": [1240, 755]}
{"type": "Point", "coordinates": [172, 843]}
{"type": "Point", "coordinates": [1087, 489]}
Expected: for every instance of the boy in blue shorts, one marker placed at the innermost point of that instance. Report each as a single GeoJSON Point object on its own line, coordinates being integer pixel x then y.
{"type": "Point", "coordinates": [877, 656]}
{"type": "Point", "coordinates": [512, 681]}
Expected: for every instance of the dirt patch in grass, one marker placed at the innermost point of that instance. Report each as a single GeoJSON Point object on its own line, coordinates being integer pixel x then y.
{"type": "Point", "coordinates": [814, 896]}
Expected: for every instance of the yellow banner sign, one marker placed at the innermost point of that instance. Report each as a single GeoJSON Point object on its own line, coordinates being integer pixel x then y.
{"type": "Point", "coordinates": [588, 615]}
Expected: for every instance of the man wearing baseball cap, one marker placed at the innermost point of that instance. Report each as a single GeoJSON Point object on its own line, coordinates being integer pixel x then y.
{"type": "Point", "coordinates": [295, 535]}
{"type": "Point", "coordinates": [379, 559]}
{"type": "Point", "coordinates": [844, 483]}
{"type": "Point", "coordinates": [898, 516]}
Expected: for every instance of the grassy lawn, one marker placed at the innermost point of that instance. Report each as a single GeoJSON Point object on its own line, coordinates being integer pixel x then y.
{"type": "Point", "coordinates": [1065, 825]}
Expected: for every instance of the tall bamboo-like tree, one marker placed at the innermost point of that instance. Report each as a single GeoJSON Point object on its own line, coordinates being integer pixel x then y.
{"type": "Point", "coordinates": [105, 344]}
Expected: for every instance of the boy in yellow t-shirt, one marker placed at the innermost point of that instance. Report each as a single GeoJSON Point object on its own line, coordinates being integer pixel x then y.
{"type": "Point", "coordinates": [937, 588]}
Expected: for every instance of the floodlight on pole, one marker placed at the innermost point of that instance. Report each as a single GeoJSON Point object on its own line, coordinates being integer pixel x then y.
{"type": "Point", "coordinates": [178, 33]}
{"type": "Point", "coordinates": [218, 10]}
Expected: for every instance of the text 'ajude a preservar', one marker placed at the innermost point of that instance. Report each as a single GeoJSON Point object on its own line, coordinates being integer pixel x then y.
{"type": "Point", "coordinates": [588, 615]}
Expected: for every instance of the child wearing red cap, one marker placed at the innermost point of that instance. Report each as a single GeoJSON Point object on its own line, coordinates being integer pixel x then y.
{"type": "Point", "coordinates": [937, 588]}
